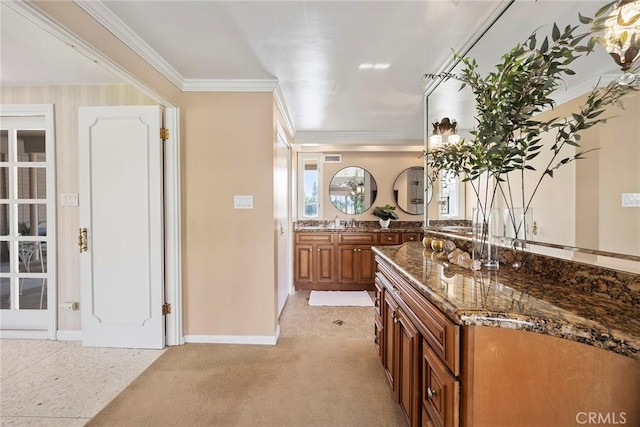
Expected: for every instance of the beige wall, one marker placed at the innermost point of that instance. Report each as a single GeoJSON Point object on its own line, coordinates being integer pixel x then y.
{"type": "Point", "coordinates": [66, 101]}
{"type": "Point", "coordinates": [595, 214]}
{"type": "Point", "coordinates": [228, 253]}
{"type": "Point", "coordinates": [384, 167]}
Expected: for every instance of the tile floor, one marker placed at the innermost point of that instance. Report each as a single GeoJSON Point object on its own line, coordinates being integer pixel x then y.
{"type": "Point", "coordinates": [61, 383]}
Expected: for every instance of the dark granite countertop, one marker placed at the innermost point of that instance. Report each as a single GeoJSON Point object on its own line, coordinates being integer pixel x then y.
{"type": "Point", "coordinates": [511, 299]}
{"type": "Point", "coordinates": [362, 229]}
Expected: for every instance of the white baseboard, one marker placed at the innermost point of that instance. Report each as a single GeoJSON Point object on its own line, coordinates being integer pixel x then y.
{"type": "Point", "coordinates": [234, 339]}
{"type": "Point", "coordinates": [69, 335]}
{"type": "Point", "coordinates": [24, 334]}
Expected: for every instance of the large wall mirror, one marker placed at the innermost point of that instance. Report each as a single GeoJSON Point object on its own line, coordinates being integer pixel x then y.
{"type": "Point", "coordinates": [353, 190]}
{"type": "Point", "coordinates": [409, 192]}
{"type": "Point", "coordinates": [582, 206]}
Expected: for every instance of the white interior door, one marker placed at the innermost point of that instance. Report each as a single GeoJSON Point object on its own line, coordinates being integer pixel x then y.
{"type": "Point", "coordinates": [121, 206]}
{"type": "Point", "coordinates": [282, 202]}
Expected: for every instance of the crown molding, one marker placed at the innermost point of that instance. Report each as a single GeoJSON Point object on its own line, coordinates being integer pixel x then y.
{"type": "Point", "coordinates": [230, 85]}
{"type": "Point", "coordinates": [115, 25]}
{"type": "Point", "coordinates": [284, 110]}
{"type": "Point", "coordinates": [57, 30]}
{"type": "Point", "coordinates": [390, 138]}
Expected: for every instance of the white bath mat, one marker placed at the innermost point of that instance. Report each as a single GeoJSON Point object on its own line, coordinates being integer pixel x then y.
{"type": "Point", "coordinates": [341, 298]}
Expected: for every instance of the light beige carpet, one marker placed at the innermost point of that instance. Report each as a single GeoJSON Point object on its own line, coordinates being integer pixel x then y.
{"type": "Point", "coordinates": [331, 380]}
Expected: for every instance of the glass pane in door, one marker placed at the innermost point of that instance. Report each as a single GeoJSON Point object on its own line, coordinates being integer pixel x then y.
{"type": "Point", "coordinates": [32, 219]}
{"type": "Point", "coordinates": [5, 293]}
{"type": "Point", "coordinates": [4, 146]}
{"type": "Point", "coordinates": [4, 183]}
{"type": "Point", "coordinates": [4, 219]}
{"type": "Point", "coordinates": [32, 183]}
{"type": "Point", "coordinates": [33, 293]}
{"type": "Point", "coordinates": [5, 257]}
{"type": "Point", "coordinates": [32, 257]}
{"type": "Point", "coordinates": [30, 146]}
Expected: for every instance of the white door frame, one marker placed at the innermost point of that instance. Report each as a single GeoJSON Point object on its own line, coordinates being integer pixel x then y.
{"type": "Point", "coordinates": [173, 224]}
{"type": "Point", "coordinates": [282, 136]}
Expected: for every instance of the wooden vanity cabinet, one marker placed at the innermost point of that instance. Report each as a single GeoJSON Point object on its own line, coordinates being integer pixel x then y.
{"type": "Point", "coordinates": [337, 260]}
{"type": "Point", "coordinates": [420, 353]}
{"type": "Point", "coordinates": [447, 375]}
{"type": "Point", "coordinates": [315, 259]}
{"type": "Point", "coordinates": [356, 260]}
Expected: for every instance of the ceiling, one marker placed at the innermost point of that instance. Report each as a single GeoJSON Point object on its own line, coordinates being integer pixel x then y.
{"type": "Point", "coordinates": [312, 49]}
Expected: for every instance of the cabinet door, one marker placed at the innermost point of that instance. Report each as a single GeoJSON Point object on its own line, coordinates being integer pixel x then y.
{"type": "Point", "coordinates": [440, 390]}
{"type": "Point", "coordinates": [366, 265]}
{"type": "Point", "coordinates": [304, 264]}
{"type": "Point", "coordinates": [325, 263]}
{"type": "Point", "coordinates": [389, 321]}
{"type": "Point", "coordinates": [378, 339]}
{"type": "Point", "coordinates": [347, 264]}
{"type": "Point", "coordinates": [407, 377]}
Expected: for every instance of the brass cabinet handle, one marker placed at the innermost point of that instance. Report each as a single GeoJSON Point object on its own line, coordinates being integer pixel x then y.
{"type": "Point", "coordinates": [431, 393]}
{"type": "Point", "coordinates": [83, 241]}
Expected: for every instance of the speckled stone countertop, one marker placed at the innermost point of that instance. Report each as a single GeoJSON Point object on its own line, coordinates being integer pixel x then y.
{"type": "Point", "coordinates": [511, 299]}
{"type": "Point", "coordinates": [361, 227]}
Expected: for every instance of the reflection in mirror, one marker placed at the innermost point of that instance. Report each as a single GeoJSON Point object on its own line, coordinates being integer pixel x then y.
{"type": "Point", "coordinates": [580, 209]}
{"type": "Point", "coordinates": [352, 190]}
{"type": "Point", "coordinates": [408, 190]}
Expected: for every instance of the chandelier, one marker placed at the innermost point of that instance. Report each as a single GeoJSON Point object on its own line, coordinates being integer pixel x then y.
{"type": "Point", "coordinates": [621, 36]}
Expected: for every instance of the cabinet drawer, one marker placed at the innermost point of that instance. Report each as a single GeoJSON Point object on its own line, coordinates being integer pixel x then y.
{"type": "Point", "coordinates": [389, 238]}
{"type": "Point", "coordinates": [440, 391]}
{"type": "Point", "coordinates": [314, 237]}
{"type": "Point", "coordinates": [410, 237]}
{"type": "Point", "coordinates": [357, 238]}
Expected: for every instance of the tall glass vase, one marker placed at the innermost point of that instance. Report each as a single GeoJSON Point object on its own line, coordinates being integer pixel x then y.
{"type": "Point", "coordinates": [487, 228]}
{"type": "Point", "coordinates": [518, 228]}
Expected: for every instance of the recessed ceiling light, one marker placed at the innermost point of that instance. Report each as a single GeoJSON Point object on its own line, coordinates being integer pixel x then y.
{"type": "Point", "coordinates": [378, 66]}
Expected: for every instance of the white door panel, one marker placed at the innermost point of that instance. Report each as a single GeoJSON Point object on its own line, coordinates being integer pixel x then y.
{"type": "Point", "coordinates": [282, 191]}
{"type": "Point", "coordinates": [122, 208]}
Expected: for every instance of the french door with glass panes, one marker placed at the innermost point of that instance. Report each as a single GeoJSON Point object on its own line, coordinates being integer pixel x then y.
{"type": "Point", "coordinates": [26, 217]}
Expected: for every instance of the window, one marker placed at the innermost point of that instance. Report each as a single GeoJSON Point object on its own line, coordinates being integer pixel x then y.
{"type": "Point", "coordinates": [449, 196]}
{"type": "Point", "coordinates": [309, 185]}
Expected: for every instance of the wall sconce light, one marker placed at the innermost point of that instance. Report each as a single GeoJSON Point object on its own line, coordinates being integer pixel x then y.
{"type": "Point", "coordinates": [443, 128]}
{"type": "Point", "coordinates": [621, 36]}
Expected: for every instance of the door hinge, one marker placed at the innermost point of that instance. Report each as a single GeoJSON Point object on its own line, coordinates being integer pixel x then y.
{"type": "Point", "coordinates": [164, 133]}
{"type": "Point", "coordinates": [166, 308]}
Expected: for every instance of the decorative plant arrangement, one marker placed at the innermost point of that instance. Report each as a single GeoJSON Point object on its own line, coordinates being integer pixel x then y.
{"type": "Point", "coordinates": [507, 137]}
{"type": "Point", "coordinates": [385, 214]}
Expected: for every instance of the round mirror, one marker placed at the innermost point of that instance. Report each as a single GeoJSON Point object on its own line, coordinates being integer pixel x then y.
{"type": "Point", "coordinates": [408, 190]}
{"type": "Point", "coordinates": [352, 190]}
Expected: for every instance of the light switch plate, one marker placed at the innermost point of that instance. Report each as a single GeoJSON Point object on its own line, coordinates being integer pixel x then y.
{"type": "Point", "coordinates": [69, 199]}
{"type": "Point", "coordinates": [243, 202]}
{"type": "Point", "coordinates": [630, 200]}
